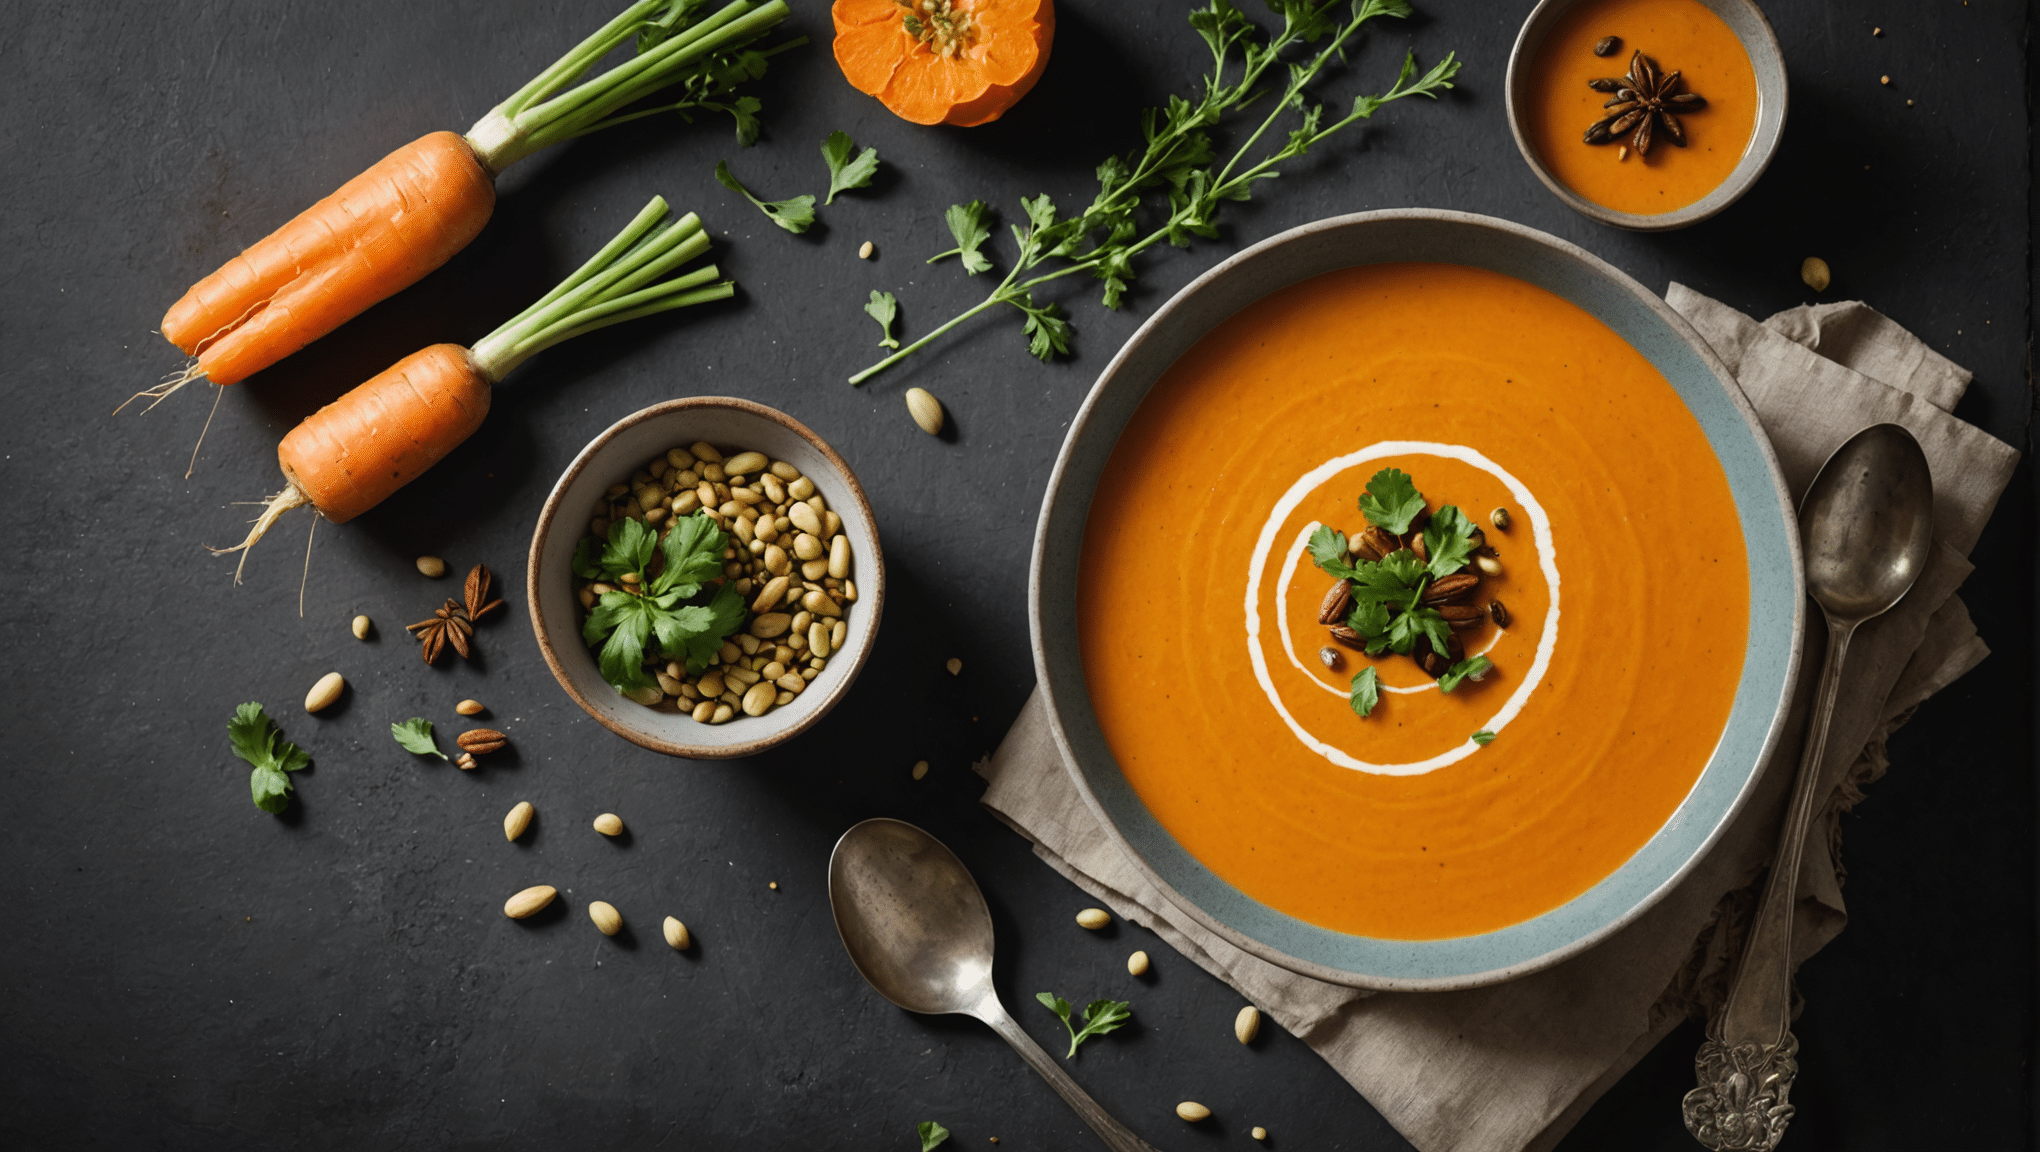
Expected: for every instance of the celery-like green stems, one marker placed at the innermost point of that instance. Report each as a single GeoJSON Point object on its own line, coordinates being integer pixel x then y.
{"type": "Point", "coordinates": [625, 280]}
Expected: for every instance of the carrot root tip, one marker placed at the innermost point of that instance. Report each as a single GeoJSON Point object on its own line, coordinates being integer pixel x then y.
{"type": "Point", "coordinates": [161, 392]}
{"type": "Point", "coordinates": [272, 510]}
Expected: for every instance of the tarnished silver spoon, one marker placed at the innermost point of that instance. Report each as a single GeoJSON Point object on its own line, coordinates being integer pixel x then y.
{"type": "Point", "coordinates": [916, 926]}
{"type": "Point", "coordinates": [1867, 528]}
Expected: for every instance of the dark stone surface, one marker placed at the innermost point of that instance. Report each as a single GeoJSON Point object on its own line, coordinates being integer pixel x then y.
{"type": "Point", "coordinates": [180, 970]}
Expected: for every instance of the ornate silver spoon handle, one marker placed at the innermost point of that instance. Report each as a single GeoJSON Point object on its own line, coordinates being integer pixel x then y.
{"type": "Point", "coordinates": [1746, 1065]}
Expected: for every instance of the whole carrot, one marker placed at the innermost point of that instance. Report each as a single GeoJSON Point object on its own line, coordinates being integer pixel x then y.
{"type": "Point", "coordinates": [352, 454]}
{"type": "Point", "coordinates": [409, 213]}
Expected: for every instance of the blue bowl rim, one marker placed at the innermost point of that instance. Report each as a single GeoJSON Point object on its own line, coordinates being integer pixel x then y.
{"type": "Point", "coordinates": [1067, 701]}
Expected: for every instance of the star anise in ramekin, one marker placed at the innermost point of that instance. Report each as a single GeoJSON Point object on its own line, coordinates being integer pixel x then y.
{"type": "Point", "coordinates": [454, 622]}
{"type": "Point", "coordinates": [1643, 102]}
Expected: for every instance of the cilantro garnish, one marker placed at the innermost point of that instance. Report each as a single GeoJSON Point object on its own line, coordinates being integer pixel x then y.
{"type": "Point", "coordinates": [931, 1134]}
{"type": "Point", "coordinates": [1483, 737]}
{"type": "Point", "coordinates": [795, 215]}
{"type": "Point", "coordinates": [1392, 501]}
{"type": "Point", "coordinates": [415, 735]}
{"type": "Point", "coordinates": [883, 308]}
{"type": "Point", "coordinates": [256, 739]}
{"type": "Point", "coordinates": [847, 171]}
{"type": "Point", "coordinates": [1328, 551]}
{"type": "Point", "coordinates": [1448, 539]}
{"type": "Point", "coordinates": [1366, 690]}
{"type": "Point", "coordinates": [623, 623]}
{"type": "Point", "coordinates": [1100, 1017]}
{"type": "Point", "coordinates": [1472, 668]}
{"type": "Point", "coordinates": [970, 224]}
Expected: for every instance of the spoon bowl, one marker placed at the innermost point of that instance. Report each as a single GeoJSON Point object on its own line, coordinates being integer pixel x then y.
{"type": "Point", "coordinates": [917, 929]}
{"type": "Point", "coordinates": [1865, 528]}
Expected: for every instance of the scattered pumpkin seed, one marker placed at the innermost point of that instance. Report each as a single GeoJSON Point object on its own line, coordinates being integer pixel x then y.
{"type": "Point", "coordinates": [362, 624]}
{"type": "Point", "coordinates": [432, 566]}
{"type": "Point", "coordinates": [1192, 1111]}
{"type": "Point", "coordinates": [955, 666]}
{"type": "Point", "coordinates": [1814, 271]}
{"type": "Point", "coordinates": [1137, 964]}
{"type": "Point", "coordinates": [1247, 1024]}
{"type": "Point", "coordinates": [676, 935]}
{"type": "Point", "coordinates": [925, 409]}
{"type": "Point", "coordinates": [864, 250]}
{"type": "Point", "coordinates": [920, 769]}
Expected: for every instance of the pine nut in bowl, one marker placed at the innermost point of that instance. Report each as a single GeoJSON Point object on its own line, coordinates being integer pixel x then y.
{"type": "Point", "coordinates": [766, 584]}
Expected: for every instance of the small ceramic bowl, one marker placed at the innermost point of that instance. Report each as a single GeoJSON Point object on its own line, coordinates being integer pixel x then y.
{"type": "Point", "coordinates": [1743, 18]}
{"type": "Point", "coordinates": [610, 459]}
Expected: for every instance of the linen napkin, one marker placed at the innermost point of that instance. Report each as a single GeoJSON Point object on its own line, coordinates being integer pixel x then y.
{"type": "Point", "coordinates": [1513, 1066]}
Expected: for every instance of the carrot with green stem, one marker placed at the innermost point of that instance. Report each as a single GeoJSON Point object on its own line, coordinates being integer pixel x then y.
{"type": "Point", "coordinates": [352, 454]}
{"type": "Point", "coordinates": [410, 212]}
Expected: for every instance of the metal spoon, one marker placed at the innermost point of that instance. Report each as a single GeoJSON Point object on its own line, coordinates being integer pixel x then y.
{"type": "Point", "coordinates": [1867, 526]}
{"type": "Point", "coordinates": [916, 926]}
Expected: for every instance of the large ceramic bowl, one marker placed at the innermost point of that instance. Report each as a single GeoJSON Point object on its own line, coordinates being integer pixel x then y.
{"type": "Point", "coordinates": [1744, 19]}
{"type": "Point", "coordinates": [1770, 537]}
{"type": "Point", "coordinates": [610, 459]}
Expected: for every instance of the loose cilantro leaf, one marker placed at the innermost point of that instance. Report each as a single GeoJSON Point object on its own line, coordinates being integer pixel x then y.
{"type": "Point", "coordinates": [1366, 690]}
{"type": "Point", "coordinates": [1483, 737]}
{"type": "Point", "coordinates": [931, 1134]}
{"type": "Point", "coordinates": [1100, 1017]}
{"type": "Point", "coordinates": [845, 170]}
{"type": "Point", "coordinates": [883, 308]}
{"type": "Point", "coordinates": [256, 739]}
{"type": "Point", "coordinates": [1392, 501]}
{"type": "Point", "coordinates": [1369, 618]}
{"type": "Point", "coordinates": [795, 215]}
{"type": "Point", "coordinates": [1448, 538]}
{"type": "Point", "coordinates": [1472, 668]}
{"type": "Point", "coordinates": [971, 225]}
{"type": "Point", "coordinates": [415, 735]}
{"type": "Point", "coordinates": [623, 623]}
{"type": "Point", "coordinates": [1328, 552]}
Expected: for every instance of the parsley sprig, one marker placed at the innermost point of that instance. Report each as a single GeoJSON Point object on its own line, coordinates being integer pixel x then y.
{"type": "Point", "coordinates": [796, 215]}
{"type": "Point", "coordinates": [1388, 610]}
{"type": "Point", "coordinates": [256, 739]}
{"type": "Point", "coordinates": [1176, 170]}
{"type": "Point", "coordinates": [624, 622]}
{"type": "Point", "coordinates": [931, 1134]}
{"type": "Point", "coordinates": [1100, 1017]}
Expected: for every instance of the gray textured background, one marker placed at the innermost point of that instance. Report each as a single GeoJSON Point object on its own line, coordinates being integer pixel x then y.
{"type": "Point", "coordinates": [180, 970]}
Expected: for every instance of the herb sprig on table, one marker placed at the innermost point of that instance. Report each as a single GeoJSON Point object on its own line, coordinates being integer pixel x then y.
{"type": "Point", "coordinates": [1177, 168]}
{"type": "Point", "coordinates": [1100, 1017]}
{"type": "Point", "coordinates": [625, 621]}
{"type": "Point", "coordinates": [1395, 597]}
{"type": "Point", "coordinates": [931, 1134]}
{"type": "Point", "coordinates": [256, 739]}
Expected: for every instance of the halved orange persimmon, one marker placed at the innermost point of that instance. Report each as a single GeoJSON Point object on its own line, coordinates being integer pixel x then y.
{"type": "Point", "coordinates": [958, 62]}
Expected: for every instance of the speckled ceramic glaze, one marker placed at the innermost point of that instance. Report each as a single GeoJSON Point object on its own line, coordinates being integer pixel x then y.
{"type": "Point", "coordinates": [1744, 19]}
{"type": "Point", "coordinates": [1770, 537]}
{"type": "Point", "coordinates": [609, 459]}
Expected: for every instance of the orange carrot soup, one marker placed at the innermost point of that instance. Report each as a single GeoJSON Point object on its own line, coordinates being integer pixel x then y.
{"type": "Point", "coordinates": [1679, 36]}
{"type": "Point", "coordinates": [1621, 571]}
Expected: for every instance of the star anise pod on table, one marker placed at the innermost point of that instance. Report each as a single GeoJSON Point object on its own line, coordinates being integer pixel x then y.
{"type": "Point", "coordinates": [1643, 103]}
{"type": "Point", "coordinates": [454, 622]}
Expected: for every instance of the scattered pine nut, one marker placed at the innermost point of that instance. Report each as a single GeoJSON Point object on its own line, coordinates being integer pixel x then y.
{"type": "Point", "coordinates": [920, 769]}
{"type": "Point", "coordinates": [609, 824]}
{"type": "Point", "coordinates": [773, 884]}
{"type": "Point", "coordinates": [1488, 564]}
{"type": "Point", "coordinates": [1094, 918]}
{"type": "Point", "coordinates": [518, 819]}
{"type": "Point", "coordinates": [470, 708]}
{"type": "Point", "coordinates": [1192, 1111]}
{"type": "Point", "coordinates": [1137, 964]}
{"type": "Point", "coordinates": [955, 666]}
{"type": "Point", "coordinates": [608, 920]}
{"type": "Point", "coordinates": [432, 566]}
{"type": "Point", "coordinates": [1260, 1133]}
{"type": "Point", "coordinates": [362, 624]}
{"type": "Point", "coordinates": [1877, 31]}
{"type": "Point", "coordinates": [925, 409]}
{"type": "Point", "coordinates": [676, 935]}
{"type": "Point", "coordinates": [1622, 153]}
{"type": "Point", "coordinates": [1247, 1024]}
{"type": "Point", "coordinates": [324, 692]}
{"type": "Point", "coordinates": [1884, 79]}
{"type": "Point", "coordinates": [1814, 271]}
{"type": "Point", "coordinates": [529, 901]}
{"type": "Point", "coordinates": [864, 251]}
